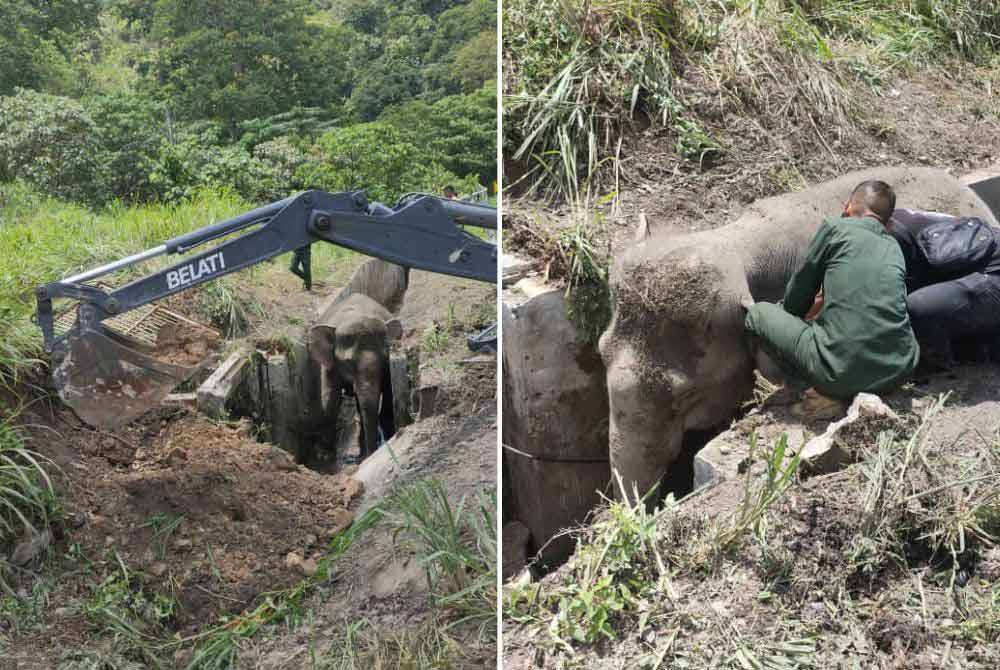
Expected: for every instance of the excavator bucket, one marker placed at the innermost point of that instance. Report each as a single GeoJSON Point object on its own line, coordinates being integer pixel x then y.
{"type": "Point", "coordinates": [109, 383]}
{"type": "Point", "coordinates": [113, 375]}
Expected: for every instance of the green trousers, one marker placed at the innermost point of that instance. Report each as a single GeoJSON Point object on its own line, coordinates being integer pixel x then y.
{"type": "Point", "coordinates": [788, 340]}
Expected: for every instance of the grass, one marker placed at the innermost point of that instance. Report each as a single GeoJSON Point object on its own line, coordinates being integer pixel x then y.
{"type": "Point", "coordinates": [458, 544]}
{"type": "Point", "coordinates": [628, 559]}
{"type": "Point", "coordinates": [898, 555]}
{"type": "Point", "coordinates": [581, 76]}
{"type": "Point", "coordinates": [43, 239]}
{"type": "Point", "coordinates": [28, 502]}
{"type": "Point", "coordinates": [364, 648]}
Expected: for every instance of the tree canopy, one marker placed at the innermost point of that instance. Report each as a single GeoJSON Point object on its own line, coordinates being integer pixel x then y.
{"type": "Point", "coordinates": [151, 99]}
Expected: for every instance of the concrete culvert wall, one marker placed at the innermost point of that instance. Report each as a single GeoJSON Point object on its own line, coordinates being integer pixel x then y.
{"type": "Point", "coordinates": [277, 387]}
{"type": "Point", "coordinates": [555, 420]}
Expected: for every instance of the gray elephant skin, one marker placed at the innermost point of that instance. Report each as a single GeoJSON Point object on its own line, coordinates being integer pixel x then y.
{"type": "Point", "coordinates": [350, 345]}
{"type": "Point", "coordinates": [675, 353]}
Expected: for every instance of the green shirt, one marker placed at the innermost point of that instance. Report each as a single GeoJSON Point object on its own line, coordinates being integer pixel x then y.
{"type": "Point", "coordinates": [862, 336]}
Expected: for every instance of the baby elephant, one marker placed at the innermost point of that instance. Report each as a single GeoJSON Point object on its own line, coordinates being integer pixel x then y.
{"type": "Point", "coordinates": [350, 343]}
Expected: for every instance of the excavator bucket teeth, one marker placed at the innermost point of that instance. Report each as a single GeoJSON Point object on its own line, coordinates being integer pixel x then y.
{"type": "Point", "coordinates": [109, 383]}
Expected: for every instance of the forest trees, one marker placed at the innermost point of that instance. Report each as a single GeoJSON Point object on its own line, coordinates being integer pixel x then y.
{"type": "Point", "coordinates": [145, 100]}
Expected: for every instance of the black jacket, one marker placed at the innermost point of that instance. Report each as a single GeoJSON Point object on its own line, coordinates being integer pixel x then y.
{"type": "Point", "coordinates": [905, 225]}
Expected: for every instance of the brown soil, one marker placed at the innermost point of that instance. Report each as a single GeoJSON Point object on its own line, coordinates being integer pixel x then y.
{"type": "Point", "coordinates": [931, 120]}
{"type": "Point", "coordinates": [249, 517]}
{"type": "Point", "coordinates": [184, 343]}
{"type": "Point", "coordinates": [240, 507]}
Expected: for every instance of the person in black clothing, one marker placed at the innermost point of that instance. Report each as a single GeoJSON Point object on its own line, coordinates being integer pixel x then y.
{"type": "Point", "coordinates": [301, 265]}
{"type": "Point", "coordinates": [954, 300]}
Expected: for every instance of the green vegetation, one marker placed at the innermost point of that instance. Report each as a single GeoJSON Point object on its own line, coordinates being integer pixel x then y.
{"type": "Point", "coordinates": [152, 100]}
{"type": "Point", "coordinates": [28, 502]}
{"type": "Point", "coordinates": [783, 573]}
{"type": "Point", "coordinates": [459, 546]}
{"type": "Point", "coordinates": [583, 74]}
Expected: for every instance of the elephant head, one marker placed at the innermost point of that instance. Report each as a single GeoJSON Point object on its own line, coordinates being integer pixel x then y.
{"type": "Point", "coordinates": [674, 356]}
{"type": "Point", "coordinates": [351, 346]}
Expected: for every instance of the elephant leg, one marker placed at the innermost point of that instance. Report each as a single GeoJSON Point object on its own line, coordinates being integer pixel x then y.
{"type": "Point", "coordinates": [386, 414]}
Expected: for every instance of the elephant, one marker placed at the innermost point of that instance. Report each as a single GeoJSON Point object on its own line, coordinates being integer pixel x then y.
{"type": "Point", "coordinates": [350, 345]}
{"type": "Point", "coordinates": [675, 354]}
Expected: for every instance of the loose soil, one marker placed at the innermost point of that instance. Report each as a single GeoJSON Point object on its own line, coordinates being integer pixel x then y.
{"type": "Point", "coordinates": [185, 343]}
{"type": "Point", "coordinates": [929, 119]}
{"type": "Point", "coordinates": [201, 512]}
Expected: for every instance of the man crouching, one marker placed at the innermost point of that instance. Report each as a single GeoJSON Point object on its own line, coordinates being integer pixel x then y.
{"type": "Point", "coordinates": [860, 339]}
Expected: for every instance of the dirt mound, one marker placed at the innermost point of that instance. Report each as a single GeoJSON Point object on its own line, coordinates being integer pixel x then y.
{"type": "Point", "coordinates": [202, 510]}
{"type": "Point", "coordinates": [184, 343]}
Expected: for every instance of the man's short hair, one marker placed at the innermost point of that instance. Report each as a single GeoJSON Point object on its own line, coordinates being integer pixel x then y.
{"type": "Point", "coordinates": [875, 196]}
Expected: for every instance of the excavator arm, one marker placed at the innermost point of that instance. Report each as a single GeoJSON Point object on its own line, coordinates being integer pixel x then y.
{"type": "Point", "coordinates": [91, 363]}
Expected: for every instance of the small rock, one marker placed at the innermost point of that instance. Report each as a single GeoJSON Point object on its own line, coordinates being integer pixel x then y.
{"type": "Point", "coordinates": [308, 567]}
{"type": "Point", "coordinates": [158, 569]}
{"type": "Point", "coordinates": [310, 540]}
{"type": "Point", "coordinates": [342, 518]}
{"type": "Point", "coordinates": [108, 541]}
{"type": "Point", "coordinates": [63, 612]}
{"type": "Point", "coordinates": [77, 520]}
{"type": "Point", "coordinates": [176, 457]}
{"type": "Point", "coordinates": [823, 454]}
{"type": "Point", "coordinates": [293, 560]}
{"type": "Point", "coordinates": [182, 544]}
{"type": "Point", "coordinates": [281, 459]}
{"type": "Point", "coordinates": [31, 548]}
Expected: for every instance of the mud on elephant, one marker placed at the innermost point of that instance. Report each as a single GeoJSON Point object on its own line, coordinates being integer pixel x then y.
{"type": "Point", "coordinates": [675, 353]}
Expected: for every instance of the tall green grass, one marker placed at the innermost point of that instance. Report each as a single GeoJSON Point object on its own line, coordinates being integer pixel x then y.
{"type": "Point", "coordinates": [458, 545]}
{"type": "Point", "coordinates": [43, 239]}
{"type": "Point", "coordinates": [580, 75]}
{"type": "Point", "coordinates": [28, 500]}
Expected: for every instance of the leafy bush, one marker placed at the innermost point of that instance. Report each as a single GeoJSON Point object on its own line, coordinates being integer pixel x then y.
{"type": "Point", "coordinates": [53, 143]}
{"type": "Point", "coordinates": [132, 128]}
{"type": "Point", "coordinates": [378, 158]}
{"type": "Point", "coordinates": [458, 131]}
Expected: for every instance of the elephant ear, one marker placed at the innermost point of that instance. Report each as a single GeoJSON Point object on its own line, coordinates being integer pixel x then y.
{"type": "Point", "coordinates": [321, 344]}
{"type": "Point", "coordinates": [394, 330]}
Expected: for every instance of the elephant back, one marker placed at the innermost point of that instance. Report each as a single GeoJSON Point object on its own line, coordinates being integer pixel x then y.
{"type": "Point", "coordinates": [380, 280]}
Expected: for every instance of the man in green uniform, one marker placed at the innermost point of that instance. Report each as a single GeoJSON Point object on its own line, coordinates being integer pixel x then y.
{"type": "Point", "coordinates": [861, 338]}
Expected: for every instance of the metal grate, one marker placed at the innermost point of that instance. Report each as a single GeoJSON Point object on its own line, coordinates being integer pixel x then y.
{"type": "Point", "coordinates": [141, 325]}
